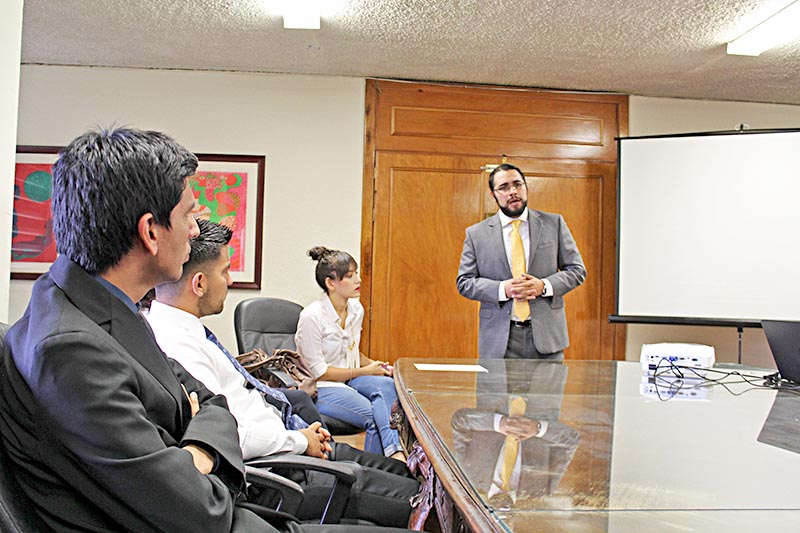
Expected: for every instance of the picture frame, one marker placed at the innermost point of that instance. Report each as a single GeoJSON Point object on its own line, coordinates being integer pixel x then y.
{"type": "Point", "coordinates": [228, 189]}
{"type": "Point", "coordinates": [32, 244]}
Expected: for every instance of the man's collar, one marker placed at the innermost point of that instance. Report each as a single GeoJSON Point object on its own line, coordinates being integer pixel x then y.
{"type": "Point", "coordinates": [505, 219]}
{"type": "Point", "coordinates": [116, 291]}
{"type": "Point", "coordinates": [167, 314]}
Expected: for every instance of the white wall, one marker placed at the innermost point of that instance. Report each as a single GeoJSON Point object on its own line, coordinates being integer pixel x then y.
{"type": "Point", "coordinates": [311, 130]}
{"type": "Point", "coordinates": [10, 39]}
{"type": "Point", "coordinates": [652, 116]}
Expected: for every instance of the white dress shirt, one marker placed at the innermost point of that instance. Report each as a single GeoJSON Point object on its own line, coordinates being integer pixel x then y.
{"type": "Point", "coordinates": [182, 337]}
{"type": "Point", "coordinates": [323, 342]}
{"type": "Point", "coordinates": [525, 234]}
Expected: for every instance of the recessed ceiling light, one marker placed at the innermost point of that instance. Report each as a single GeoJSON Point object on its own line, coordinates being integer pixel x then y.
{"type": "Point", "coordinates": [781, 27]}
{"type": "Point", "coordinates": [301, 14]}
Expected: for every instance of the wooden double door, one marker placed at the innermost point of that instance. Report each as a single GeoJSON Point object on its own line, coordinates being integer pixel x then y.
{"type": "Point", "coordinates": [428, 152]}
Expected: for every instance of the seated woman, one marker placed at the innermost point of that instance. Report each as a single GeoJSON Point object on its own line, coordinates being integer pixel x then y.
{"type": "Point", "coordinates": [350, 386]}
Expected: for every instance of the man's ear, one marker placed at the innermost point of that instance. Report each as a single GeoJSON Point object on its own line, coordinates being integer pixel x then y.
{"type": "Point", "coordinates": [493, 196]}
{"type": "Point", "coordinates": [148, 233]}
{"type": "Point", "coordinates": [198, 283]}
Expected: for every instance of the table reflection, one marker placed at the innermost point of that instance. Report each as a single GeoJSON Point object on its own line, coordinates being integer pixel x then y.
{"type": "Point", "coordinates": [782, 425]}
{"type": "Point", "coordinates": [512, 445]}
{"type": "Point", "coordinates": [603, 446]}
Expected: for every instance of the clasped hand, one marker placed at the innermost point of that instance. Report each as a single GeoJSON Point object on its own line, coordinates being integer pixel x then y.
{"type": "Point", "coordinates": [525, 287]}
{"type": "Point", "coordinates": [520, 427]}
{"type": "Point", "coordinates": [319, 440]}
{"type": "Point", "coordinates": [378, 368]}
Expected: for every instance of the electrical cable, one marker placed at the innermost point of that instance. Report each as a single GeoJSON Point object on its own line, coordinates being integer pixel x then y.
{"type": "Point", "coordinates": [663, 374]}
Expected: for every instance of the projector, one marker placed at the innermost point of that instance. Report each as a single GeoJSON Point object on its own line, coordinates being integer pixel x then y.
{"type": "Point", "coordinates": [664, 355]}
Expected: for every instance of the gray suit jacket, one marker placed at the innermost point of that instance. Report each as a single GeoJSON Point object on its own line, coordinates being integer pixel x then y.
{"type": "Point", "coordinates": [93, 416]}
{"type": "Point", "coordinates": [553, 255]}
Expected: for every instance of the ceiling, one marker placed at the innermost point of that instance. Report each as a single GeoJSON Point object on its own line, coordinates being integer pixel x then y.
{"type": "Point", "coordinates": [663, 48]}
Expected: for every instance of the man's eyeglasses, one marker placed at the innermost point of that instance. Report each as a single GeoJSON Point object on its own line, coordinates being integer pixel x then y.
{"type": "Point", "coordinates": [505, 188]}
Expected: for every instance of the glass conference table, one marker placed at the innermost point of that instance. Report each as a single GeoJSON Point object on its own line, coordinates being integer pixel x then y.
{"type": "Point", "coordinates": [602, 447]}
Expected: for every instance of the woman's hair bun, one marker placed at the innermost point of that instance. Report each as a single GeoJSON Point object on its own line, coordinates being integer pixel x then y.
{"type": "Point", "coordinates": [318, 252]}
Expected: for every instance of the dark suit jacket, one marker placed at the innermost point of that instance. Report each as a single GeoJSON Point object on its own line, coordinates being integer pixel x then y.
{"type": "Point", "coordinates": [553, 255]}
{"type": "Point", "coordinates": [93, 416]}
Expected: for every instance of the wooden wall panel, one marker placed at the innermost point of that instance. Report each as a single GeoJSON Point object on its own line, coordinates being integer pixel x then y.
{"type": "Point", "coordinates": [487, 126]}
{"type": "Point", "coordinates": [482, 121]}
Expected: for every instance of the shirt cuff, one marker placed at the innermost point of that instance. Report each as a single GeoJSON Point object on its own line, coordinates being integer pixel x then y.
{"type": "Point", "coordinates": [501, 295]}
{"type": "Point", "coordinates": [497, 419]}
{"type": "Point", "coordinates": [542, 429]}
{"type": "Point", "coordinates": [299, 442]}
{"type": "Point", "coordinates": [548, 288]}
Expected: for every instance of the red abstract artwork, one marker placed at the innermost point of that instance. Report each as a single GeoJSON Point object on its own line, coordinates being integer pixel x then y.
{"type": "Point", "coordinates": [32, 232]}
{"type": "Point", "coordinates": [222, 198]}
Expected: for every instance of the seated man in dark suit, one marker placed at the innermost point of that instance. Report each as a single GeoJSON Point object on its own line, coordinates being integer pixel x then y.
{"type": "Point", "coordinates": [98, 425]}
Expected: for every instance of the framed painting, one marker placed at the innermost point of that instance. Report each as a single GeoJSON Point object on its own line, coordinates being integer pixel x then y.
{"type": "Point", "coordinates": [33, 248]}
{"type": "Point", "coordinates": [228, 189]}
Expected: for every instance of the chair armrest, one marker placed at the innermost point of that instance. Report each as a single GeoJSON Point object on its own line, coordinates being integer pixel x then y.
{"type": "Point", "coordinates": [291, 494]}
{"type": "Point", "coordinates": [344, 477]}
{"type": "Point", "coordinates": [343, 471]}
{"type": "Point", "coordinates": [286, 380]}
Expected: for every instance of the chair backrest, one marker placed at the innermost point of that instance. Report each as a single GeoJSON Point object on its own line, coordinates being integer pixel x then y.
{"type": "Point", "coordinates": [16, 510]}
{"type": "Point", "coordinates": [266, 323]}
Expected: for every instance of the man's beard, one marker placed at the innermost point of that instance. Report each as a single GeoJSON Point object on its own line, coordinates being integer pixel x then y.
{"type": "Point", "coordinates": [514, 213]}
{"type": "Point", "coordinates": [207, 307]}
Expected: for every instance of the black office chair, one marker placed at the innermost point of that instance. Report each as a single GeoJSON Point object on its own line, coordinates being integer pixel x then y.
{"type": "Point", "coordinates": [270, 324]}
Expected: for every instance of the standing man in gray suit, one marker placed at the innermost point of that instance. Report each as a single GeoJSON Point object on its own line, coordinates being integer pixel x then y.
{"type": "Point", "coordinates": [519, 264]}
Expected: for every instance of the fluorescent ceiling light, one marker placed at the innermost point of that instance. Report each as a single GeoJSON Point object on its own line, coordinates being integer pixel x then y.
{"type": "Point", "coordinates": [301, 14]}
{"type": "Point", "coordinates": [781, 27]}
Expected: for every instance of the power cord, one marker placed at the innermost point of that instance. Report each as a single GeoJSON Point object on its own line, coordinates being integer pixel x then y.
{"type": "Point", "coordinates": [667, 369]}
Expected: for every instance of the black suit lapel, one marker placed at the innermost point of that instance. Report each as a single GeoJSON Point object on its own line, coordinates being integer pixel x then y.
{"type": "Point", "coordinates": [125, 327]}
{"type": "Point", "coordinates": [131, 331]}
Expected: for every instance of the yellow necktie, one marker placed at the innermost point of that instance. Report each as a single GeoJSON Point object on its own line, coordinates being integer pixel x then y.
{"type": "Point", "coordinates": [516, 407]}
{"type": "Point", "coordinates": [521, 308]}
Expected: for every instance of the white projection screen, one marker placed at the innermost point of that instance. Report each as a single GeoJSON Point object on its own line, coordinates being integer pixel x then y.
{"type": "Point", "coordinates": [708, 227]}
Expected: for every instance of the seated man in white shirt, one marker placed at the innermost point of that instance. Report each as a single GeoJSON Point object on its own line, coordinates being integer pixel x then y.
{"type": "Point", "coordinates": [384, 486]}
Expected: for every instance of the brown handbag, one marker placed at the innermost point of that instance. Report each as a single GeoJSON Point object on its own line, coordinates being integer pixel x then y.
{"type": "Point", "coordinates": [284, 368]}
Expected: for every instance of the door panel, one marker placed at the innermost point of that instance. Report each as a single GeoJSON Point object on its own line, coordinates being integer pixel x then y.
{"type": "Point", "coordinates": [423, 204]}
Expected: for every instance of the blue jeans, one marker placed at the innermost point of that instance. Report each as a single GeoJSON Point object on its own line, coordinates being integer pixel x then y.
{"type": "Point", "coordinates": [365, 403]}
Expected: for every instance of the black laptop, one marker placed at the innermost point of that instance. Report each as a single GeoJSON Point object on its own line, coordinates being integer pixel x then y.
{"type": "Point", "coordinates": [784, 341]}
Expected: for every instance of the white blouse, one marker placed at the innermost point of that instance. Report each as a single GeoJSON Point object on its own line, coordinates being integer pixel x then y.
{"type": "Point", "coordinates": [323, 342]}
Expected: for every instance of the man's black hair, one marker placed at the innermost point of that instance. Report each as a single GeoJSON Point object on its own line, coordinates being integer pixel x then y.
{"type": "Point", "coordinates": [504, 166]}
{"type": "Point", "coordinates": [103, 183]}
{"type": "Point", "coordinates": [208, 245]}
